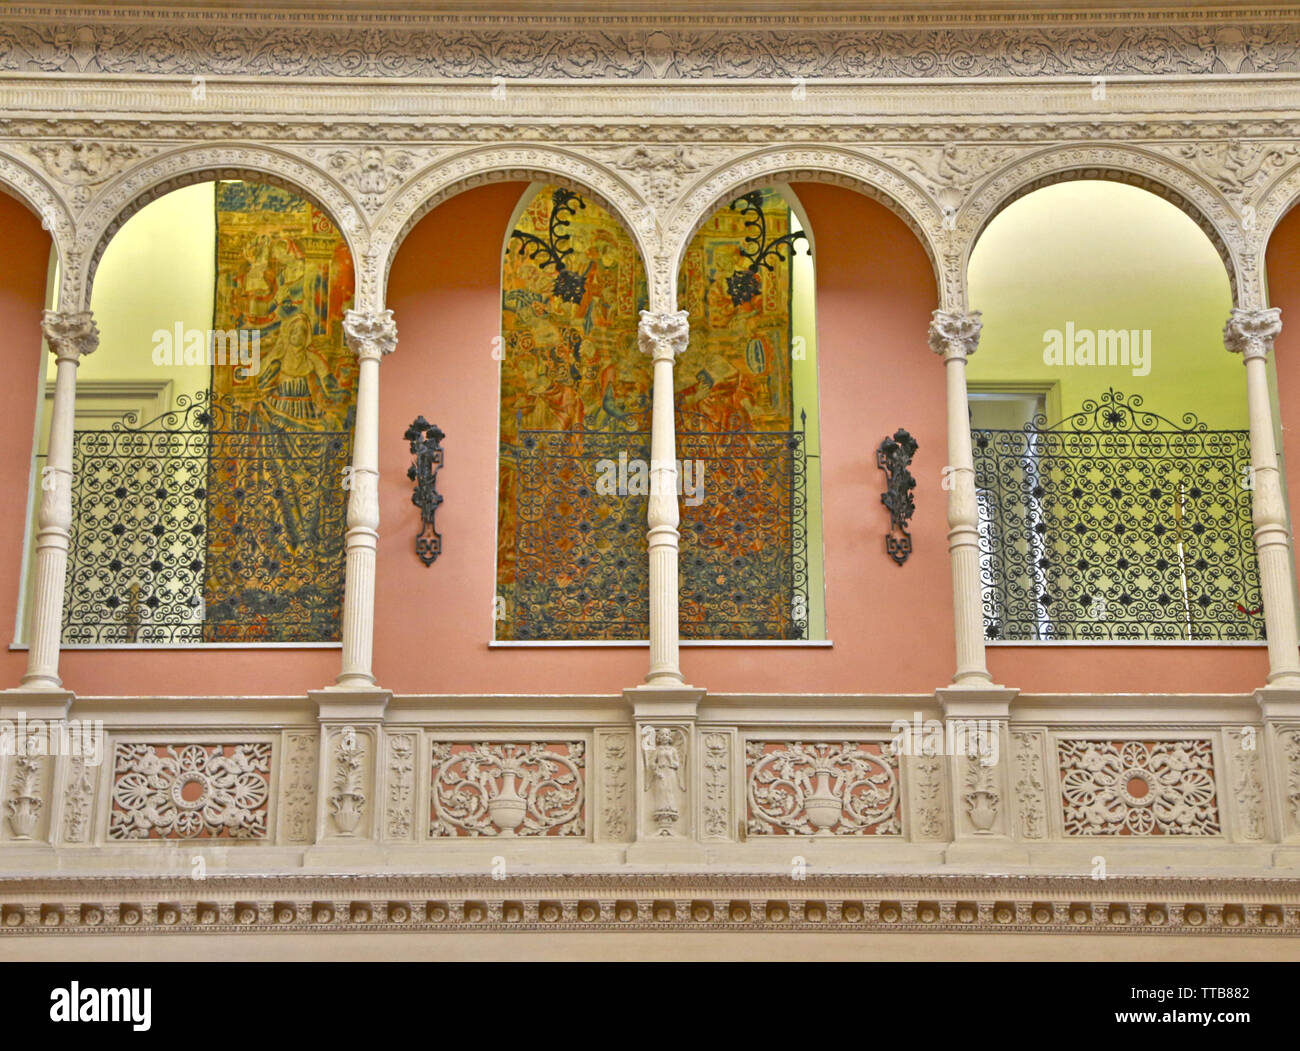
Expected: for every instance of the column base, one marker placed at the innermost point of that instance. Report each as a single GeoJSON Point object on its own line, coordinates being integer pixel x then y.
{"type": "Point", "coordinates": [36, 703]}
{"type": "Point", "coordinates": [344, 704]}
{"type": "Point", "coordinates": [677, 701]}
{"type": "Point", "coordinates": [1277, 702]}
{"type": "Point", "coordinates": [976, 701]}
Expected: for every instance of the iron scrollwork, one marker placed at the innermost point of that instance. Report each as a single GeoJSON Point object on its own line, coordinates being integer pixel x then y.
{"type": "Point", "coordinates": [570, 285]}
{"type": "Point", "coordinates": [426, 446]}
{"type": "Point", "coordinates": [894, 457]}
{"type": "Point", "coordinates": [743, 285]}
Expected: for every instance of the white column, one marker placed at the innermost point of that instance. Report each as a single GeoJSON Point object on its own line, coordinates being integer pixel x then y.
{"type": "Point", "coordinates": [1250, 333]}
{"type": "Point", "coordinates": [370, 335]}
{"type": "Point", "coordinates": [663, 336]}
{"type": "Point", "coordinates": [70, 336]}
{"type": "Point", "coordinates": [955, 335]}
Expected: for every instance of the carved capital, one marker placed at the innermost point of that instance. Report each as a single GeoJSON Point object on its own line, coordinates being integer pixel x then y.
{"type": "Point", "coordinates": [370, 335]}
{"type": "Point", "coordinates": [954, 334]}
{"type": "Point", "coordinates": [663, 336]}
{"type": "Point", "coordinates": [1250, 333]}
{"type": "Point", "coordinates": [71, 335]}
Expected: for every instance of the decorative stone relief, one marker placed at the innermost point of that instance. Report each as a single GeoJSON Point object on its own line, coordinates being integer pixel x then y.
{"type": "Point", "coordinates": [1247, 782]}
{"type": "Point", "coordinates": [715, 755]}
{"type": "Point", "coordinates": [1138, 788]}
{"type": "Point", "coordinates": [849, 788]}
{"type": "Point", "coordinates": [1240, 169]}
{"type": "Point", "coordinates": [664, 752]}
{"type": "Point", "coordinates": [660, 171]}
{"type": "Point", "coordinates": [298, 787]}
{"type": "Point", "coordinates": [23, 802]}
{"type": "Point", "coordinates": [373, 173]}
{"type": "Point", "coordinates": [82, 165]}
{"type": "Point", "coordinates": [497, 789]}
{"type": "Point", "coordinates": [1290, 744]}
{"type": "Point", "coordinates": [980, 795]}
{"type": "Point", "coordinates": [616, 812]}
{"type": "Point", "coordinates": [400, 820]}
{"type": "Point", "coordinates": [1030, 783]}
{"type": "Point", "coordinates": [78, 800]}
{"type": "Point", "coordinates": [348, 798]}
{"type": "Point", "coordinates": [928, 814]}
{"type": "Point", "coordinates": [190, 791]}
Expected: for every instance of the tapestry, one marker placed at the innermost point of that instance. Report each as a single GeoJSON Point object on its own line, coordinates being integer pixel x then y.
{"type": "Point", "coordinates": [281, 420]}
{"type": "Point", "coordinates": [575, 394]}
{"type": "Point", "coordinates": [575, 428]}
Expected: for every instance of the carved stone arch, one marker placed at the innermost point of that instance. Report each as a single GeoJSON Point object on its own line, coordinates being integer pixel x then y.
{"type": "Point", "coordinates": [1276, 202]}
{"type": "Point", "coordinates": [1135, 167]}
{"type": "Point", "coordinates": [839, 167]}
{"type": "Point", "coordinates": [478, 167]}
{"type": "Point", "coordinates": [142, 183]}
{"type": "Point", "coordinates": [29, 188]}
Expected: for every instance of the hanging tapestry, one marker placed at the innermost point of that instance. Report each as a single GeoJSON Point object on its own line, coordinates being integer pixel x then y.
{"type": "Point", "coordinates": [743, 537]}
{"type": "Point", "coordinates": [281, 420]}
{"type": "Point", "coordinates": [575, 399]}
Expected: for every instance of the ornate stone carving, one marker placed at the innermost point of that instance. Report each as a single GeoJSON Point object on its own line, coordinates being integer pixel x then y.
{"type": "Point", "coordinates": [955, 334]}
{"type": "Point", "coordinates": [1138, 788]}
{"type": "Point", "coordinates": [298, 787]}
{"type": "Point", "coordinates": [71, 335]}
{"type": "Point", "coordinates": [190, 791]}
{"type": "Point", "coordinates": [1030, 784]}
{"type": "Point", "coordinates": [663, 335]}
{"type": "Point", "coordinates": [24, 803]}
{"type": "Point", "coordinates": [925, 791]}
{"type": "Point", "coordinates": [1239, 169]}
{"type": "Point", "coordinates": [372, 172]}
{"type": "Point", "coordinates": [1247, 782]}
{"type": "Point", "coordinates": [716, 756]}
{"type": "Point", "coordinates": [661, 171]}
{"type": "Point", "coordinates": [1290, 743]}
{"type": "Point", "coordinates": [981, 795]}
{"type": "Point", "coordinates": [370, 334]}
{"type": "Point", "coordinates": [615, 771]}
{"type": "Point", "coordinates": [497, 789]}
{"type": "Point", "coordinates": [401, 786]}
{"type": "Point", "coordinates": [81, 165]}
{"type": "Point", "coordinates": [348, 799]}
{"type": "Point", "coordinates": [848, 788]}
{"type": "Point", "coordinates": [1250, 333]}
{"type": "Point", "coordinates": [78, 800]}
{"type": "Point", "coordinates": [664, 752]}
{"type": "Point", "coordinates": [947, 172]}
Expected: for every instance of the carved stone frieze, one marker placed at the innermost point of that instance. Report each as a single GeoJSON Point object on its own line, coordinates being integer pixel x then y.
{"type": "Point", "coordinates": [616, 812]}
{"type": "Point", "coordinates": [508, 789]}
{"type": "Point", "coordinates": [1246, 767]}
{"type": "Point", "coordinates": [848, 788]}
{"type": "Point", "coordinates": [399, 821]}
{"type": "Point", "coordinates": [1138, 788]}
{"type": "Point", "coordinates": [715, 786]}
{"type": "Point", "coordinates": [78, 800]}
{"type": "Point", "coordinates": [298, 787]}
{"type": "Point", "coordinates": [1030, 782]}
{"type": "Point", "coordinates": [190, 791]}
{"type": "Point", "coordinates": [927, 811]}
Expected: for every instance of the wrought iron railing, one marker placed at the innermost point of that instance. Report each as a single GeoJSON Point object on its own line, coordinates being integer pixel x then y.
{"type": "Point", "coordinates": [192, 528]}
{"type": "Point", "coordinates": [581, 569]}
{"type": "Point", "coordinates": [1117, 523]}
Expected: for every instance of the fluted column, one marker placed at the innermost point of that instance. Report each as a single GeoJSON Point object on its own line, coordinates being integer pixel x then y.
{"type": "Point", "coordinates": [70, 335]}
{"type": "Point", "coordinates": [370, 335]}
{"type": "Point", "coordinates": [663, 336]}
{"type": "Point", "coordinates": [1250, 333]}
{"type": "Point", "coordinates": [954, 335]}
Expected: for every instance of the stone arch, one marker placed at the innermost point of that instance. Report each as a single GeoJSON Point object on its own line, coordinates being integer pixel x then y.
{"type": "Point", "coordinates": [145, 182]}
{"type": "Point", "coordinates": [839, 167]}
{"type": "Point", "coordinates": [32, 190]}
{"type": "Point", "coordinates": [1148, 171]}
{"type": "Point", "coordinates": [451, 175]}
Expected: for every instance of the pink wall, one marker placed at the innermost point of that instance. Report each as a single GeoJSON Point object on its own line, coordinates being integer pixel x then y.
{"type": "Point", "coordinates": [24, 265]}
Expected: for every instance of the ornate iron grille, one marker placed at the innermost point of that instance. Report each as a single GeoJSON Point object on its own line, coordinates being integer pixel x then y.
{"type": "Point", "coordinates": [144, 525]}
{"type": "Point", "coordinates": [581, 569]}
{"type": "Point", "coordinates": [1117, 523]}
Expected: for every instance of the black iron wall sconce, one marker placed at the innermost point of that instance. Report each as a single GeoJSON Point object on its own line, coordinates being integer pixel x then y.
{"type": "Point", "coordinates": [426, 447]}
{"type": "Point", "coordinates": [894, 457]}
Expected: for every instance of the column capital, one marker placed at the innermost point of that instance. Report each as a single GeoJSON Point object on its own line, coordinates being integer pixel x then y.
{"type": "Point", "coordinates": [954, 334]}
{"type": "Point", "coordinates": [370, 334]}
{"type": "Point", "coordinates": [70, 334]}
{"type": "Point", "coordinates": [663, 335]}
{"type": "Point", "coordinates": [1250, 333]}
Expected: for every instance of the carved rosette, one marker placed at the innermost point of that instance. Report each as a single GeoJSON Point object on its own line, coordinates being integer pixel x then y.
{"type": "Point", "coordinates": [845, 789]}
{"type": "Point", "coordinates": [497, 789]}
{"type": "Point", "coordinates": [190, 791]}
{"type": "Point", "coordinates": [1138, 788]}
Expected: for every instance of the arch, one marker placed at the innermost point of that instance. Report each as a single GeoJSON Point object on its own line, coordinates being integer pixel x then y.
{"type": "Point", "coordinates": [1148, 171]}
{"type": "Point", "coordinates": [882, 183]}
{"type": "Point", "coordinates": [451, 175]}
{"type": "Point", "coordinates": [33, 191]}
{"type": "Point", "coordinates": [1276, 203]}
{"type": "Point", "coordinates": [137, 186]}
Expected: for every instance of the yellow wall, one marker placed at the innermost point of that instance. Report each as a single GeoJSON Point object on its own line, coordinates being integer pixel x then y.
{"type": "Point", "coordinates": [1107, 256]}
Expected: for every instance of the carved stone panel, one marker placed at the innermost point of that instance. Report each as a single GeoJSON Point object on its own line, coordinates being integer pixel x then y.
{"type": "Point", "coordinates": [298, 787]}
{"type": "Point", "coordinates": [615, 775]}
{"type": "Point", "coordinates": [190, 791]}
{"type": "Point", "coordinates": [399, 789]}
{"type": "Point", "coordinates": [508, 789]}
{"type": "Point", "coordinates": [1029, 783]}
{"type": "Point", "coordinates": [716, 807]}
{"type": "Point", "coordinates": [848, 788]}
{"type": "Point", "coordinates": [927, 811]}
{"type": "Point", "coordinates": [1138, 788]}
{"type": "Point", "coordinates": [1246, 768]}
